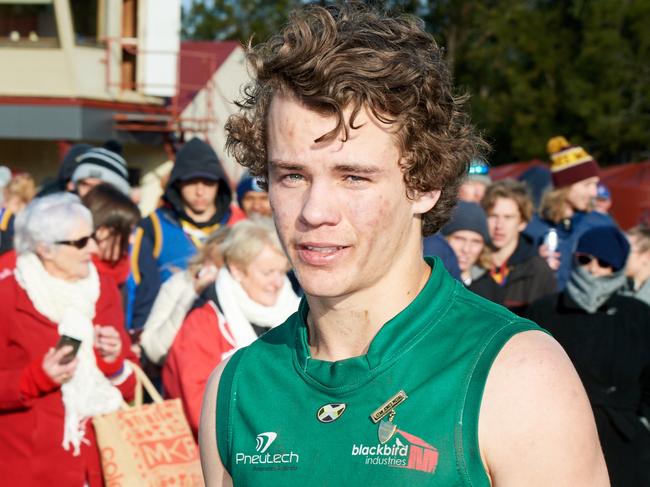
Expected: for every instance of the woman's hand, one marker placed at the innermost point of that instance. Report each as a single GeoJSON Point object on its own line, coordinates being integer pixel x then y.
{"type": "Point", "coordinates": [58, 372]}
{"type": "Point", "coordinates": [108, 343]}
{"type": "Point", "coordinates": [553, 259]}
{"type": "Point", "coordinates": [206, 275]}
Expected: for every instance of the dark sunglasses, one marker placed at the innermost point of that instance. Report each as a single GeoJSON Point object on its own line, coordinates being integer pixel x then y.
{"type": "Point", "coordinates": [80, 243]}
{"type": "Point", "coordinates": [585, 259]}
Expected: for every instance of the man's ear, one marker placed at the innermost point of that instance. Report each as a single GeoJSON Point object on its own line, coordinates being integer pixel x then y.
{"type": "Point", "coordinates": [522, 225]}
{"type": "Point", "coordinates": [424, 202]}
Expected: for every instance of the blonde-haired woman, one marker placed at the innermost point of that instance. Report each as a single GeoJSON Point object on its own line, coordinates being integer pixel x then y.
{"type": "Point", "coordinates": [19, 192]}
{"type": "Point", "coordinates": [567, 208]}
{"type": "Point", "coordinates": [251, 295]}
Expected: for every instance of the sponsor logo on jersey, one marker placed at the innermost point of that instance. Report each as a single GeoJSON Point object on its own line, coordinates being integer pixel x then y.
{"type": "Point", "coordinates": [268, 460]}
{"type": "Point", "coordinates": [404, 451]}
{"type": "Point", "coordinates": [330, 412]}
{"type": "Point", "coordinates": [264, 441]}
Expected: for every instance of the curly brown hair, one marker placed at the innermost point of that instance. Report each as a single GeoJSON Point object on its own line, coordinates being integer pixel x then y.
{"type": "Point", "coordinates": [350, 55]}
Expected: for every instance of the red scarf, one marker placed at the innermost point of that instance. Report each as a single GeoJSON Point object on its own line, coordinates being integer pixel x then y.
{"type": "Point", "coordinates": [119, 271]}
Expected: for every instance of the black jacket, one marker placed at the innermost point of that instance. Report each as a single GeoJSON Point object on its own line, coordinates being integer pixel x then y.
{"type": "Point", "coordinates": [610, 349]}
{"type": "Point", "coordinates": [529, 278]}
{"type": "Point", "coordinates": [487, 288]}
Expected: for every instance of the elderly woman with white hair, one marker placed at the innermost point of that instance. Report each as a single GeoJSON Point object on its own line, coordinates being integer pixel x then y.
{"type": "Point", "coordinates": [251, 295]}
{"type": "Point", "coordinates": [62, 349]}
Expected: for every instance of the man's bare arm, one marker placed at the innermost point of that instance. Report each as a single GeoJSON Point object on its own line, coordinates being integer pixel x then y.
{"type": "Point", "coordinates": [536, 426]}
{"type": "Point", "coordinates": [214, 473]}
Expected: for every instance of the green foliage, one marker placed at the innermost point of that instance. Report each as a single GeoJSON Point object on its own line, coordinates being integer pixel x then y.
{"type": "Point", "coordinates": [534, 68]}
{"type": "Point", "coordinates": [541, 68]}
{"type": "Point", "coordinates": [235, 19]}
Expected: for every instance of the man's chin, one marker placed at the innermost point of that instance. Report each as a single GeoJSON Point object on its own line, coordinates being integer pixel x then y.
{"type": "Point", "coordinates": [201, 213]}
{"type": "Point", "coordinates": [321, 286]}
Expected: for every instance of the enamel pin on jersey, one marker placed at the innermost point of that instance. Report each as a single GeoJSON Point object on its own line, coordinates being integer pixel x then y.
{"type": "Point", "coordinates": [387, 428]}
{"type": "Point", "coordinates": [330, 412]}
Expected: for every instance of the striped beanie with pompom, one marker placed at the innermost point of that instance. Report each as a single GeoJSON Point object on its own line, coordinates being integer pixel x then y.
{"type": "Point", "coordinates": [569, 164]}
{"type": "Point", "coordinates": [105, 165]}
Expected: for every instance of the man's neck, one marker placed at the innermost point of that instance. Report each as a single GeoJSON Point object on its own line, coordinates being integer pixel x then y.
{"type": "Point", "coordinates": [344, 327]}
{"type": "Point", "coordinates": [501, 256]}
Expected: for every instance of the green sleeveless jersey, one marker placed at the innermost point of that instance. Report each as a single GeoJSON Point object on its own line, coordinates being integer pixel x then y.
{"type": "Point", "coordinates": [286, 419]}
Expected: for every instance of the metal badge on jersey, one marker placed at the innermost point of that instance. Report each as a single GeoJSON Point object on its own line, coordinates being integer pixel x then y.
{"type": "Point", "coordinates": [387, 428]}
{"type": "Point", "coordinates": [330, 412]}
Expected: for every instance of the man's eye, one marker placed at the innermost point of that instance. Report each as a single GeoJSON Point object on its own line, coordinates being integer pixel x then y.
{"type": "Point", "coordinates": [292, 177]}
{"type": "Point", "coordinates": [354, 179]}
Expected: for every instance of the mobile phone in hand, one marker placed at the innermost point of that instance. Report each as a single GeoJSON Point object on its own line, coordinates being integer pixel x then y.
{"type": "Point", "coordinates": [74, 343]}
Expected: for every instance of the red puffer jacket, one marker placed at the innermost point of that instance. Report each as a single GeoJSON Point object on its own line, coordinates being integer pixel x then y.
{"type": "Point", "coordinates": [31, 405]}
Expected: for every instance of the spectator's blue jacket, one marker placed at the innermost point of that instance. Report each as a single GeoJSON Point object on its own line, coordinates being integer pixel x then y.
{"type": "Point", "coordinates": [166, 239]}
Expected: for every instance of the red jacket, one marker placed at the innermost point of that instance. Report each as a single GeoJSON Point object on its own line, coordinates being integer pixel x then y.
{"type": "Point", "coordinates": [31, 405]}
{"type": "Point", "coordinates": [202, 342]}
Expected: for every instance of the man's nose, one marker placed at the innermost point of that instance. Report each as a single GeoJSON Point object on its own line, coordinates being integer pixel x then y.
{"type": "Point", "coordinates": [320, 205]}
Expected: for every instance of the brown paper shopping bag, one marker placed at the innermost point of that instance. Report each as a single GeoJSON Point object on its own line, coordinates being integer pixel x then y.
{"type": "Point", "coordinates": [148, 444]}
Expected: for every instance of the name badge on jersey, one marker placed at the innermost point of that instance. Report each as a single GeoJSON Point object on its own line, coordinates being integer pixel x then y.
{"type": "Point", "coordinates": [388, 406]}
{"type": "Point", "coordinates": [387, 428]}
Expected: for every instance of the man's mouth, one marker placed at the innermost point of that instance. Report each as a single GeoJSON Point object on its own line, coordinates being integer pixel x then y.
{"type": "Point", "coordinates": [321, 249]}
{"type": "Point", "coordinates": [320, 254]}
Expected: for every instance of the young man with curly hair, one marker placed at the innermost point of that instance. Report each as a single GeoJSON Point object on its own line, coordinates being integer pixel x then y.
{"type": "Point", "coordinates": [391, 373]}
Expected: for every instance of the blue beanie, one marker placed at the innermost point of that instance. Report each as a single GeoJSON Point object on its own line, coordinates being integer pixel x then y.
{"type": "Point", "coordinates": [468, 216]}
{"type": "Point", "coordinates": [606, 243]}
{"type": "Point", "coordinates": [246, 184]}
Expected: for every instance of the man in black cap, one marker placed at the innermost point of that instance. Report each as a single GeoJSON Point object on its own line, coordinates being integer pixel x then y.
{"type": "Point", "coordinates": [197, 202]}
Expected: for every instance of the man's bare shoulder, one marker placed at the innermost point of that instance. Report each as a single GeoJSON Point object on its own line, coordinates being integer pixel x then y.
{"type": "Point", "coordinates": [536, 425]}
{"type": "Point", "coordinates": [214, 473]}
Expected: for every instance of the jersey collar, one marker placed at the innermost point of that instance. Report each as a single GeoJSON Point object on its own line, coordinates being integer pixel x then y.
{"type": "Point", "coordinates": [393, 340]}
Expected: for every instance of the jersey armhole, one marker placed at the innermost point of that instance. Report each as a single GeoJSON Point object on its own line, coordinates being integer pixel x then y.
{"type": "Point", "coordinates": [224, 400]}
{"type": "Point", "coordinates": [468, 449]}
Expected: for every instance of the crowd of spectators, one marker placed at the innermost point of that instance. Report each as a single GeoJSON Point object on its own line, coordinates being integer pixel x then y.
{"type": "Point", "coordinates": [180, 289]}
{"type": "Point", "coordinates": [559, 259]}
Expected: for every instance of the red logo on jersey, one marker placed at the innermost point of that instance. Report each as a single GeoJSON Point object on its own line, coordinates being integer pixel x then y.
{"type": "Point", "coordinates": [421, 455]}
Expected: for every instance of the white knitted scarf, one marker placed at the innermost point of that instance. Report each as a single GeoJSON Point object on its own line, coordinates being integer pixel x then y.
{"type": "Point", "coordinates": [71, 304]}
{"type": "Point", "coordinates": [240, 310]}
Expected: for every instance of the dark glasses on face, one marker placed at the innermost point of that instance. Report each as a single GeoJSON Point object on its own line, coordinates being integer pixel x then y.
{"type": "Point", "coordinates": [80, 243]}
{"type": "Point", "coordinates": [585, 259]}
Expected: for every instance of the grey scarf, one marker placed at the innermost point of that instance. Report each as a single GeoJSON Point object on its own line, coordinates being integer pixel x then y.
{"type": "Point", "coordinates": [643, 293]}
{"type": "Point", "coordinates": [591, 292]}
